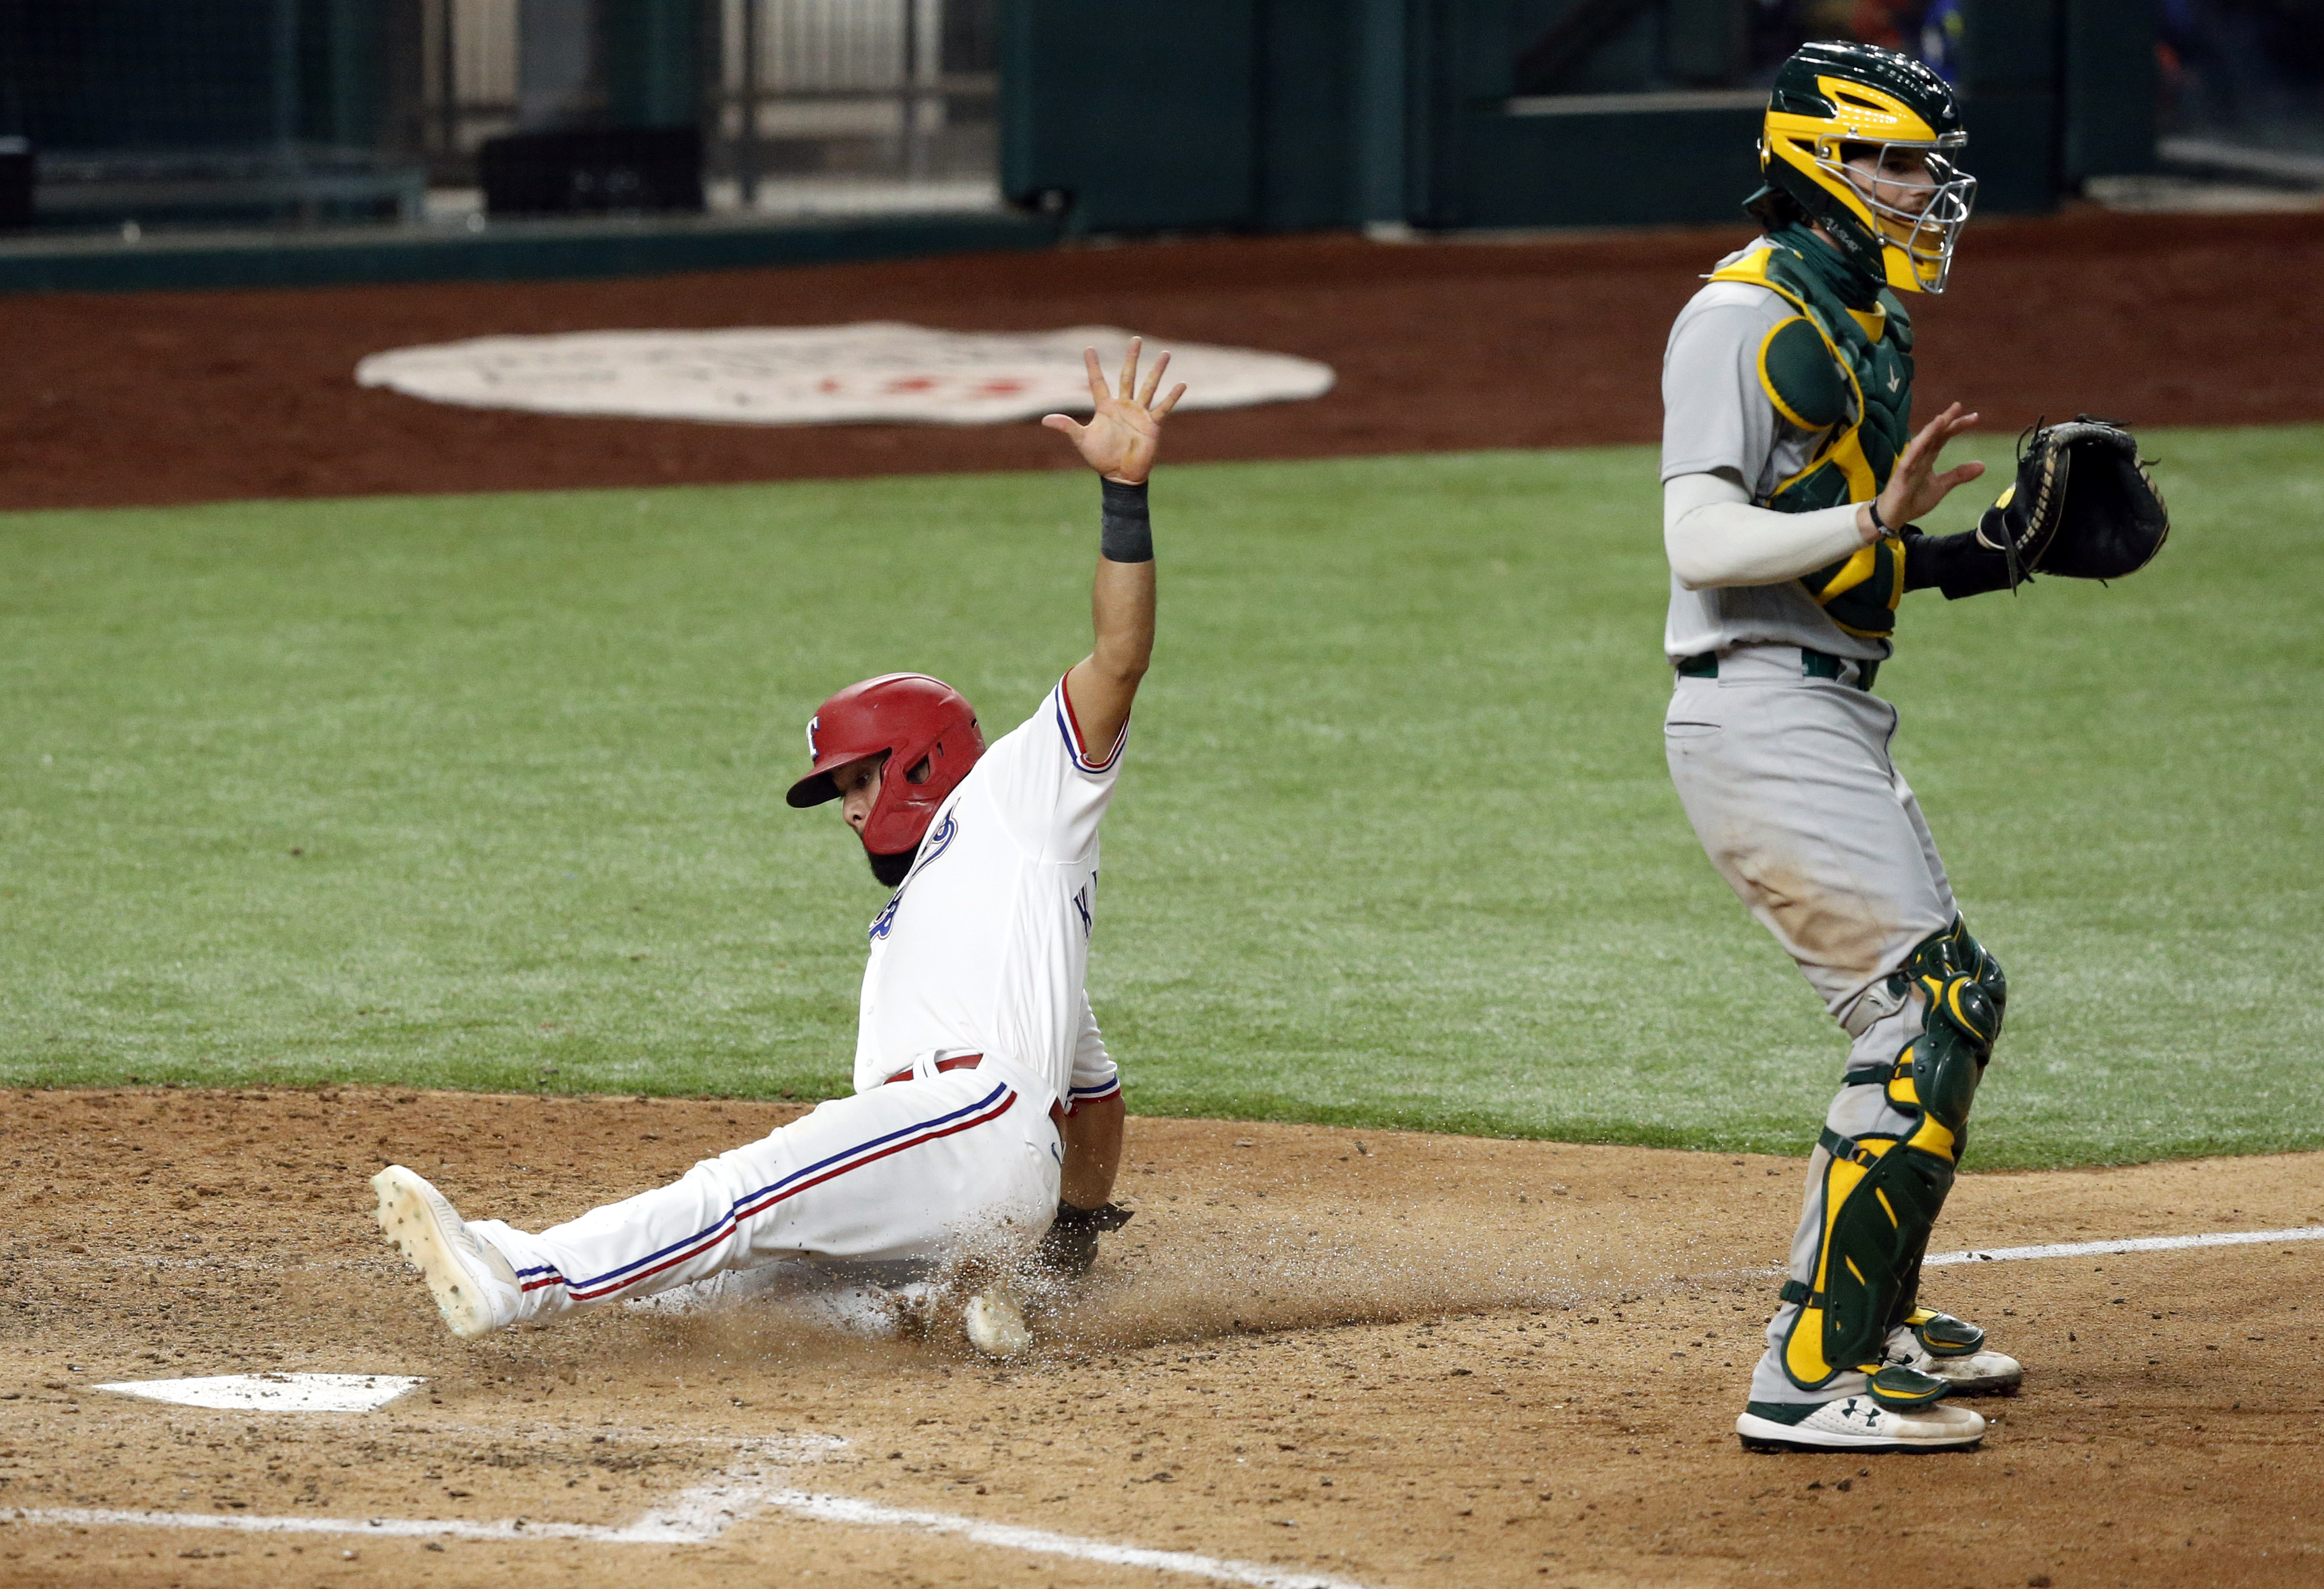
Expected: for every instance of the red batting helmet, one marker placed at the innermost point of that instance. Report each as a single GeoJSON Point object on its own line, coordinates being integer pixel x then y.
{"type": "Point", "coordinates": [916, 720]}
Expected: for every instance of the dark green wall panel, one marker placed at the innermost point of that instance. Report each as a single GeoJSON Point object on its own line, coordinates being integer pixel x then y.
{"type": "Point", "coordinates": [652, 54]}
{"type": "Point", "coordinates": [2109, 77]}
{"type": "Point", "coordinates": [2009, 45]}
{"type": "Point", "coordinates": [151, 75]}
{"type": "Point", "coordinates": [115, 74]}
{"type": "Point", "coordinates": [1652, 167]}
{"type": "Point", "coordinates": [1141, 112]}
{"type": "Point", "coordinates": [2013, 149]}
{"type": "Point", "coordinates": [1276, 108]}
{"type": "Point", "coordinates": [1308, 62]}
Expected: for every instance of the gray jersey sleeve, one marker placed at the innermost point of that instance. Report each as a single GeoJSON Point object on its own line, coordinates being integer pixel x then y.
{"type": "Point", "coordinates": [1716, 416]}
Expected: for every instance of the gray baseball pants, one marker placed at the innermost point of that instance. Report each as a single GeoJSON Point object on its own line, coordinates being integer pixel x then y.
{"type": "Point", "coordinates": [1789, 782]}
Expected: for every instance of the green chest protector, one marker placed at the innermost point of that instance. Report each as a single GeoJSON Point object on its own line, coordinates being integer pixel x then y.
{"type": "Point", "coordinates": [1845, 375]}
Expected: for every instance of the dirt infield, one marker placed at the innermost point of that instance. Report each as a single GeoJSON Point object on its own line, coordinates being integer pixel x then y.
{"type": "Point", "coordinates": [1397, 1360]}
{"type": "Point", "coordinates": [115, 400]}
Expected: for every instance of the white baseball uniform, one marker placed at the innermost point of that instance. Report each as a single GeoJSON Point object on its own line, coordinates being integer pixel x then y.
{"type": "Point", "coordinates": [974, 1036]}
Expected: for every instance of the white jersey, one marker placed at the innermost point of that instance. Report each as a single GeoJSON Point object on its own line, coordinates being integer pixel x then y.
{"type": "Point", "coordinates": [984, 947]}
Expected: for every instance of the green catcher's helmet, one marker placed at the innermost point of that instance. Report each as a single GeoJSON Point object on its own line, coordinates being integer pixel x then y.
{"type": "Point", "coordinates": [1835, 100]}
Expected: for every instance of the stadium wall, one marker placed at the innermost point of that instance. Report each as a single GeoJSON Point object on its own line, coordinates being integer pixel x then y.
{"type": "Point", "coordinates": [1134, 117]}
{"type": "Point", "coordinates": [1290, 114]}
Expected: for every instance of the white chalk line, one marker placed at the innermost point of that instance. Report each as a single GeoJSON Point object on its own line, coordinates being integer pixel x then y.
{"type": "Point", "coordinates": [841, 1509]}
{"type": "Point", "coordinates": [2143, 1244]}
{"type": "Point", "coordinates": [700, 1515]}
{"type": "Point", "coordinates": [91, 1517]}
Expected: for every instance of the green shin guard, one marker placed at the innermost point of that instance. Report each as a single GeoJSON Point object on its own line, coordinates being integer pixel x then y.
{"type": "Point", "coordinates": [1935, 961]}
{"type": "Point", "coordinates": [1882, 1193]}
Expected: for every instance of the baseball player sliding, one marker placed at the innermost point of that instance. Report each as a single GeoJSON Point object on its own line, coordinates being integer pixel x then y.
{"type": "Point", "coordinates": [1791, 477]}
{"type": "Point", "coordinates": [987, 1115]}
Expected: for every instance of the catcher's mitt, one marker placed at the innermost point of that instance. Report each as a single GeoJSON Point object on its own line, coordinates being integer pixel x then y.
{"type": "Point", "coordinates": [2083, 505]}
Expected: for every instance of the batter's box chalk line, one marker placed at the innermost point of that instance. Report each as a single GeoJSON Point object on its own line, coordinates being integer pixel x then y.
{"type": "Point", "coordinates": [2136, 1243]}
{"type": "Point", "coordinates": [702, 1513]}
{"type": "Point", "coordinates": [2144, 1244]}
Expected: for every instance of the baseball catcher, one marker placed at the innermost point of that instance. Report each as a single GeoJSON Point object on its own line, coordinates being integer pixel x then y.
{"type": "Point", "coordinates": [987, 1116]}
{"type": "Point", "coordinates": [1791, 475]}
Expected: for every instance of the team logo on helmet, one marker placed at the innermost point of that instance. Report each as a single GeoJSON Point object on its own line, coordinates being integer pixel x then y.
{"type": "Point", "coordinates": [812, 724]}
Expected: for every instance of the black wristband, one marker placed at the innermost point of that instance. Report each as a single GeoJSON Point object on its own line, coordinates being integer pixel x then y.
{"type": "Point", "coordinates": [1126, 532]}
{"type": "Point", "coordinates": [1874, 506]}
{"type": "Point", "coordinates": [1954, 564]}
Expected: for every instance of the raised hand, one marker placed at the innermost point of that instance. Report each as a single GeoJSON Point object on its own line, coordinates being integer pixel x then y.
{"type": "Point", "coordinates": [1914, 488]}
{"type": "Point", "coordinates": [1125, 433]}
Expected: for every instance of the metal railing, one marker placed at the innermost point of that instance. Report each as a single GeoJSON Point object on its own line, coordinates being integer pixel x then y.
{"type": "Point", "coordinates": [468, 83]}
{"type": "Point", "coordinates": [867, 103]}
{"type": "Point", "coordinates": [856, 88]}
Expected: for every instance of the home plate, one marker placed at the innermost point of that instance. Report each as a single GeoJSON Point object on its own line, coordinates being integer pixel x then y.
{"type": "Point", "coordinates": [875, 371]}
{"type": "Point", "coordinates": [275, 1392]}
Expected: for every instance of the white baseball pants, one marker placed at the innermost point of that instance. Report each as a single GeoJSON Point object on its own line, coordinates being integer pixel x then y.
{"type": "Point", "coordinates": [911, 1169]}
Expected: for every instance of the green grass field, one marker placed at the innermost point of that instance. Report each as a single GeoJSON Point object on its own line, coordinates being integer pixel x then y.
{"type": "Point", "coordinates": [484, 792]}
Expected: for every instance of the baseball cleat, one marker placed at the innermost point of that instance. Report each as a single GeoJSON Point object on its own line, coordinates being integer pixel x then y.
{"type": "Point", "coordinates": [1980, 1374]}
{"type": "Point", "coordinates": [464, 1276]}
{"type": "Point", "coordinates": [996, 1324]}
{"type": "Point", "coordinates": [1857, 1423]}
{"type": "Point", "coordinates": [1963, 1365]}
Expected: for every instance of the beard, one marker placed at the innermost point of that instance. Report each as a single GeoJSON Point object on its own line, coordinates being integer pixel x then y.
{"type": "Point", "coordinates": [890, 869]}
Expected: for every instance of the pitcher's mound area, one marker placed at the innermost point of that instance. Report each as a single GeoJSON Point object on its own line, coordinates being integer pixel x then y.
{"type": "Point", "coordinates": [1375, 1358]}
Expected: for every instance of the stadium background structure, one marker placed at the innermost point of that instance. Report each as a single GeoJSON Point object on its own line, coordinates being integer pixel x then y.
{"type": "Point", "coordinates": [1281, 115]}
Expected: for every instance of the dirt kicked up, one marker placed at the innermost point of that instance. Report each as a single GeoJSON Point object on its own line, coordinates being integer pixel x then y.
{"type": "Point", "coordinates": [1384, 1358]}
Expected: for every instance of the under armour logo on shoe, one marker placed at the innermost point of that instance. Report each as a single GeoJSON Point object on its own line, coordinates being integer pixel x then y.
{"type": "Point", "coordinates": [1852, 1409]}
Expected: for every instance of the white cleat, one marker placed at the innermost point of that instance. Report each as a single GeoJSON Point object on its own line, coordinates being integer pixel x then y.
{"type": "Point", "coordinates": [1859, 1423]}
{"type": "Point", "coordinates": [1980, 1374]}
{"type": "Point", "coordinates": [460, 1270]}
{"type": "Point", "coordinates": [1973, 1373]}
{"type": "Point", "coordinates": [996, 1324]}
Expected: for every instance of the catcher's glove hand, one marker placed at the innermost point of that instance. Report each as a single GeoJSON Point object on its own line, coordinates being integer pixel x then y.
{"type": "Point", "coordinates": [1070, 1247]}
{"type": "Point", "coordinates": [2083, 505]}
